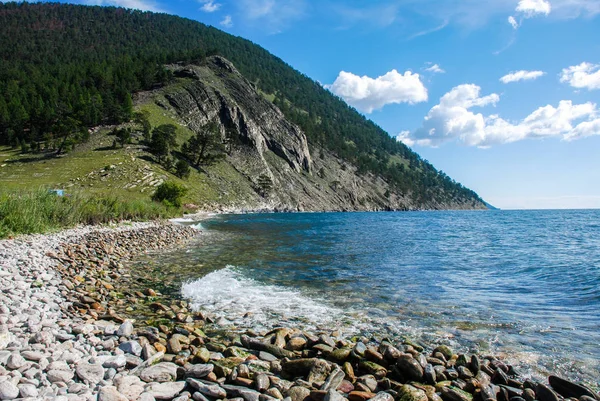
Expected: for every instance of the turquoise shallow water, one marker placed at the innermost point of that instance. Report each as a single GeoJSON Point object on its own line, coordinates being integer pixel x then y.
{"type": "Point", "coordinates": [521, 283]}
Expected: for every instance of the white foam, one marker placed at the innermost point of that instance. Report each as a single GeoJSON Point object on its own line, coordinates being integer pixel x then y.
{"type": "Point", "coordinates": [181, 220]}
{"type": "Point", "coordinates": [228, 294]}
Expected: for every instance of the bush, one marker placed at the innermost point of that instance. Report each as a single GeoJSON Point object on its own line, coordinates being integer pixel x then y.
{"type": "Point", "coordinates": [182, 169]}
{"type": "Point", "coordinates": [170, 194]}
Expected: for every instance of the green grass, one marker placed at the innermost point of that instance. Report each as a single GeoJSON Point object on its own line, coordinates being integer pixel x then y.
{"type": "Point", "coordinates": [159, 116]}
{"type": "Point", "coordinates": [105, 184]}
{"type": "Point", "coordinates": [40, 211]}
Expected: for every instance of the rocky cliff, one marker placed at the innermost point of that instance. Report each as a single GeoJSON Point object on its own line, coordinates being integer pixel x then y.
{"type": "Point", "coordinates": [275, 166]}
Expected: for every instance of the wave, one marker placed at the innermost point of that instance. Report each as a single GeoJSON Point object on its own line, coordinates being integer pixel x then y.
{"type": "Point", "coordinates": [180, 220]}
{"type": "Point", "coordinates": [245, 302]}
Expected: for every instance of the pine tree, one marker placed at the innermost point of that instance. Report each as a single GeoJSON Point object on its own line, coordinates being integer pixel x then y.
{"type": "Point", "coordinates": [205, 147]}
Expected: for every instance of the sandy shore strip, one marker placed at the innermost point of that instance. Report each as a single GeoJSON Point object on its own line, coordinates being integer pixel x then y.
{"type": "Point", "coordinates": [65, 335]}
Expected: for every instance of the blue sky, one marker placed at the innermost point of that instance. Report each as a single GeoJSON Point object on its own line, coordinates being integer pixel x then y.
{"type": "Point", "coordinates": [502, 95]}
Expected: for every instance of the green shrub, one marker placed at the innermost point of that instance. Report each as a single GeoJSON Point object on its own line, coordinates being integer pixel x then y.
{"type": "Point", "coordinates": [170, 194]}
{"type": "Point", "coordinates": [182, 169]}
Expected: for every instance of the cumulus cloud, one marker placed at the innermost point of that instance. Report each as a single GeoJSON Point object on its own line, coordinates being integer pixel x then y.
{"type": "Point", "coordinates": [453, 120]}
{"type": "Point", "coordinates": [436, 69]}
{"type": "Point", "coordinates": [530, 8]}
{"type": "Point", "coordinates": [209, 6]}
{"type": "Point", "coordinates": [227, 22]}
{"type": "Point", "coordinates": [582, 76]}
{"type": "Point", "coordinates": [368, 94]}
{"type": "Point", "coordinates": [521, 76]}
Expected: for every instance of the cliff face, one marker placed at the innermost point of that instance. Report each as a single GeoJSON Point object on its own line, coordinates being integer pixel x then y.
{"type": "Point", "coordinates": [270, 154]}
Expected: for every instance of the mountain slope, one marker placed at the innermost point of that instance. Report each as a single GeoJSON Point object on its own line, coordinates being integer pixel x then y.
{"type": "Point", "coordinates": [65, 60]}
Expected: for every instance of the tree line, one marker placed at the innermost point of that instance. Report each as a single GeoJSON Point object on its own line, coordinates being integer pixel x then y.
{"type": "Point", "coordinates": [82, 64]}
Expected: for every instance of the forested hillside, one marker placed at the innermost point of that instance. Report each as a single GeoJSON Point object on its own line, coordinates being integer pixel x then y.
{"type": "Point", "coordinates": [64, 68]}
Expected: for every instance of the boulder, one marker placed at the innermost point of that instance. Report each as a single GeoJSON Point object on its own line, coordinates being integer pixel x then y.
{"type": "Point", "coordinates": [161, 372]}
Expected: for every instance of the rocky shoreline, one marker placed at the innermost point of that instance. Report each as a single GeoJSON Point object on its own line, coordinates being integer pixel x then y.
{"type": "Point", "coordinates": [68, 332]}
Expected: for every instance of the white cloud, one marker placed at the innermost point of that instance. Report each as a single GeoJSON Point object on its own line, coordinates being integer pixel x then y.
{"type": "Point", "coordinates": [209, 6]}
{"type": "Point", "coordinates": [143, 5]}
{"type": "Point", "coordinates": [272, 15]}
{"type": "Point", "coordinates": [582, 76]}
{"type": "Point", "coordinates": [530, 8]}
{"type": "Point", "coordinates": [376, 15]}
{"type": "Point", "coordinates": [452, 120]}
{"type": "Point", "coordinates": [227, 22]}
{"type": "Point", "coordinates": [368, 94]}
{"type": "Point", "coordinates": [521, 76]}
{"type": "Point", "coordinates": [431, 30]}
{"type": "Point", "coordinates": [436, 69]}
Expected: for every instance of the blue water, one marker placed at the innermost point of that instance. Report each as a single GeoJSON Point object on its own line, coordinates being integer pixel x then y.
{"type": "Point", "coordinates": [522, 284]}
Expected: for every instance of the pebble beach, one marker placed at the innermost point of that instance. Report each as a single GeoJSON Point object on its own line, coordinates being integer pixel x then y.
{"type": "Point", "coordinates": [67, 332]}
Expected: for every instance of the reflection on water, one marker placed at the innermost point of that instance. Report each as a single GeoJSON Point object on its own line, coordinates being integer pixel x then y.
{"type": "Point", "coordinates": [525, 283]}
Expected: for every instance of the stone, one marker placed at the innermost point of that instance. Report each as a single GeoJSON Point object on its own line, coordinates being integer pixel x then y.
{"type": "Point", "coordinates": [161, 372]}
{"type": "Point", "coordinates": [265, 356]}
{"type": "Point", "coordinates": [116, 362]}
{"type": "Point", "coordinates": [296, 344]}
{"type": "Point", "coordinates": [15, 361]}
{"type": "Point", "coordinates": [56, 375]}
{"type": "Point", "coordinates": [444, 350]}
{"type": "Point", "coordinates": [333, 395]}
{"type": "Point", "coordinates": [198, 371]}
{"type": "Point", "coordinates": [382, 396]}
{"type": "Point", "coordinates": [410, 393]}
{"type": "Point", "coordinates": [243, 392]}
{"type": "Point", "coordinates": [254, 344]}
{"type": "Point", "coordinates": [569, 389]}
{"type": "Point", "coordinates": [360, 396]}
{"type": "Point", "coordinates": [203, 355]}
{"type": "Point", "coordinates": [275, 393]}
{"type": "Point", "coordinates": [90, 373]}
{"type": "Point", "coordinates": [131, 347]}
{"type": "Point", "coordinates": [146, 397]}
{"type": "Point", "coordinates": [199, 397]}
{"type": "Point", "coordinates": [298, 393]}
{"type": "Point", "coordinates": [210, 390]}
{"type": "Point", "coordinates": [455, 394]}
{"type": "Point", "coordinates": [173, 346]}
{"type": "Point", "coordinates": [32, 355]}
{"type": "Point", "coordinates": [318, 372]}
{"type": "Point", "coordinates": [359, 349]}
{"type": "Point", "coordinates": [544, 393]}
{"type": "Point", "coordinates": [5, 337]}
{"type": "Point", "coordinates": [345, 387]}
{"type": "Point", "coordinates": [125, 330]}
{"type": "Point", "coordinates": [374, 369]}
{"type": "Point", "coordinates": [28, 390]}
{"type": "Point", "coordinates": [8, 391]}
{"type": "Point", "coordinates": [110, 393]}
{"type": "Point", "coordinates": [528, 394]}
{"type": "Point", "coordinates": [429, 374]}
{"type": "Point", "coordinates": [261, 382]}
{"type": "Point", "coordinates": [339, 355]}
{"type": "Point", "coordinates": [374, 356]}
{"type": "Point", "coordinates": [409, 368]}
{"type": "Point", "coordinates": [165, 391]}
{"type": "Point", "coordinates": [130, 386]}
{"type": "Point", "coordinates": [298, 367]}
{"type": "Point", "coordinates": [369, 382]}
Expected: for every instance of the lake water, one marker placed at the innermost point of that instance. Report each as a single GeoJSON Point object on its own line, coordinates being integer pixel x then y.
{"type": "Point", "coordinates": [523, 284]}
